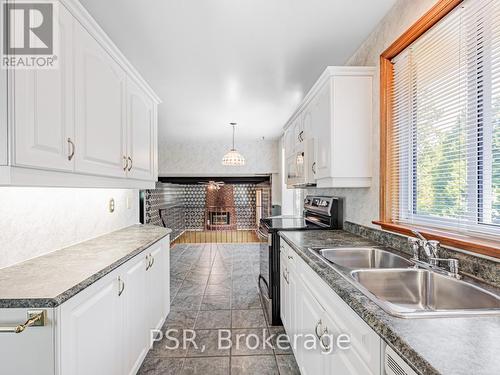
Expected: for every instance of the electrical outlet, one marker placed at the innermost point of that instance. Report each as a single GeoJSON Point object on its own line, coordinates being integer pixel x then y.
{"type": "Point", "coordinates": [128, 204]}
{"type": "Point", "coordinates": [111, 206]}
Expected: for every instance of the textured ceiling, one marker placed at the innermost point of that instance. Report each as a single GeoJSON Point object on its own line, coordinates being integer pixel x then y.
{"type": "Point", "coordinates": [247, 61]}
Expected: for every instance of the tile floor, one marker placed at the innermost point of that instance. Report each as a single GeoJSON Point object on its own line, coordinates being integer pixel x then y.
{"type": "Point", "coordinates": [214, 286]}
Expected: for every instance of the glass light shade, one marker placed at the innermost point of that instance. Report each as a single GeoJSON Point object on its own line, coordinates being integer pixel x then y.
{"type": "Point", "coordinates": [233, 158]}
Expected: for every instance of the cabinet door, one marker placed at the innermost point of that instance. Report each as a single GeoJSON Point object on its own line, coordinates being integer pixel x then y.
{"type": "Point", "coordinates": [322, 129]}
{"type": "Point", "coordinates": [155, 287]}
{"type": "Point", "coordinates": [135, 318]}
{"type": "Point", "coordinates": [43, 121]}
{"type": "Point", "coordinates": [292, 308]}
{"type": "Point", "coordinates": [140, 133]}
{"type": "Point", "coordinates": [307, 124]}
{"type": "Point", "coordinates": [310, 314]}
{"type": "Point", "coordinates": [166, 275]}
{"type": "Point", "coordinates": [100, 85]}
{"type": "Point", "coordinates": [91, 329]}
{"type": "Point", "coordinates": [284, 305]}
{"type": "Point", "coordinates": [289, 141]}
{"type": "Point", "coordinates": [291, 169]}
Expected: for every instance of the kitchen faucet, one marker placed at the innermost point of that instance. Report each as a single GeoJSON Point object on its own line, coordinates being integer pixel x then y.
{"type": "Point", "coordinates": [431, 250]}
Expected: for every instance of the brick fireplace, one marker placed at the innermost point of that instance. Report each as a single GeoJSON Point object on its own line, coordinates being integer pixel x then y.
{"type": "Point", "coordinates": [220, 211]}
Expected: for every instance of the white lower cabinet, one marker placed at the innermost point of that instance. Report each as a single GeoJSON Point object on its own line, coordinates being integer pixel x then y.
{"type": "Point", "coordinates": [316, 315]}
{"type": "Point", "coordinates": [103, 330]}
{"type": "Point", "coordinates": [155, 285]}
{"type": "Point", "coordinates": [91, 330]}
{"type": "Point", "coordinates": [309, 318]}
{"type": "Point", "coordinates": [135, 319]}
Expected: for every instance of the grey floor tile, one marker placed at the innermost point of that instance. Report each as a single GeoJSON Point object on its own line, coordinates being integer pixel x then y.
{"type": "Point", "coordinates": [192, 288]}
{"type": "Point", "coordinates": [216, 302]}
{"type": "Point", "coordinates": [213, 319]}
{"type": "Point", "coordinates": [207, 344]}
{"type": "Point", "coordinates": [220, 289]}
{"type": "Point", "coordinates": [219, 279]}
{"type": "Point", "coordinates": [161, 366]}
{"type": "Point", "coordinates": [281, 341]}
{"type": "Point", "coordinates": [251, 365]}
{"type": "Point", "coordinates": [243, 301]}
{"type": "Point", "coordinates": [206, 366]}
{"type": "Point", "coordinates": [171, 346]}
{"type": "Point", "coordinates": [180, 319]}
{"type": "Point", "coordinates": [186, 302]}
{"type": "Point", "coordinates": [248, 319]}
{"type": "Point", "coordinates": [227, 273]}
{"type": "Point", "coordinates": [287, 365]}
{"type": "Point", "coordinates": [196, 278]}
{"type": "Point", "coordinates": [250, 342]}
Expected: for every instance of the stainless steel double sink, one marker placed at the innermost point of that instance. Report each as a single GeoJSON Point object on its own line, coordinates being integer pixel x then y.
{"type": "Point", "coordinates": [401, 289]}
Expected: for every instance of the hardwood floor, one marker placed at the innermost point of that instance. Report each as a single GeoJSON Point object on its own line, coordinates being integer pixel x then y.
{"type": "Point", "coordinates": [226, 236]}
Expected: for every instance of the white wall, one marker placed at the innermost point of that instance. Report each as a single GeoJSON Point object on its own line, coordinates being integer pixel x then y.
{"type": "Point", "coordinates": [362, 205]}
{"type": "Point", "coordinates": [35, 221]}
{"type": "Point", "coordinates": [204, 158]}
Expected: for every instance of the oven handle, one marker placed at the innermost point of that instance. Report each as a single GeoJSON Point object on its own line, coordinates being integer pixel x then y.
{"type": "Point", "coordinates": [262, 235]}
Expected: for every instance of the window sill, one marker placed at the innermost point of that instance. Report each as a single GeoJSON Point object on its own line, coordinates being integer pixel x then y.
{"type": "Point", "coordinates": [473, 244]}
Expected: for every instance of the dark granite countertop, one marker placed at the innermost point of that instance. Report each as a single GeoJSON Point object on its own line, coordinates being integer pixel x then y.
{"type": "Point", "coordinates": [51, 279]}
{"type": "Point", "coordinates": [447, 346]}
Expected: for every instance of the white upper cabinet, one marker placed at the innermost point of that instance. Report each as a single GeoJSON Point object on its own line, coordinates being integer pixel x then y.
{"type": "Point", "coordinates": [322, 130]}
{"type": "Point", "coordinates": [100, 105]}
{"type": "Point", "coordinates": [90, 122]}
{"type": "Point", "coordinates": [337, 115]}
{"type": "Point", "coordinates": [43, 109]}
{"type": "Point", "coordinates": [140, 131]}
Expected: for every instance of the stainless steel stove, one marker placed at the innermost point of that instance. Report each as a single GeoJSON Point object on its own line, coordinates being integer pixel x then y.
{"type": "Point", "coordinates": [320, 212]}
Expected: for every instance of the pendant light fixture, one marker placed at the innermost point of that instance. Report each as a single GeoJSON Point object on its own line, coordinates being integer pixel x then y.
{"type": "Point", "coordinates": [233, 157]}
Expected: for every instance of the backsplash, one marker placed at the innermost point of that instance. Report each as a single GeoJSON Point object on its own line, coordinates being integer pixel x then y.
{"type": "Point", "coordinates": [36, 221]}
{"type": "Point", "coordinates": [482, 268]}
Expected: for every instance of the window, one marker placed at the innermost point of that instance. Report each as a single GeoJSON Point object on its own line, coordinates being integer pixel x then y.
{"type": "Point", "coordinates": [442, 119]}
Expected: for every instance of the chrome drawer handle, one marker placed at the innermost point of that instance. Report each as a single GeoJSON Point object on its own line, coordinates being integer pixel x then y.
{"type": "Point", "coordinates": [131, 163]}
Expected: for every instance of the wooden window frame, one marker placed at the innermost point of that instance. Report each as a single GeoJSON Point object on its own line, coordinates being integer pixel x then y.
{"type": "Point", "coordinates": [387, 167]}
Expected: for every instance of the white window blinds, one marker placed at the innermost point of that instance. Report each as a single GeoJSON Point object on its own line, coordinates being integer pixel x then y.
{"type": "Point", "coordinates": [446, 123]}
